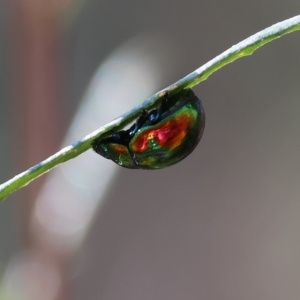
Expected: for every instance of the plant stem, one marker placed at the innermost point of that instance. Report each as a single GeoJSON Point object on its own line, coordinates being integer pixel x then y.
{"type": "Point", "coordinates": [244, 48]}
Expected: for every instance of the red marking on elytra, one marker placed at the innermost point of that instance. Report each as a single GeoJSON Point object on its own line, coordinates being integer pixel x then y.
{"type": "Point", "coordinates": [168, 135]}
{"type": "Point", "coordinates": [119, 148]}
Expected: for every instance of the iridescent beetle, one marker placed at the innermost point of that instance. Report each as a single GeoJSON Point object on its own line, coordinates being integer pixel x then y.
{"type": "Point", "coordinates": [159, 138]}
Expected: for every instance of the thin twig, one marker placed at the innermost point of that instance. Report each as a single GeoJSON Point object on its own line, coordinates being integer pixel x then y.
{"type": "Point", "coordinates": [244, 48]}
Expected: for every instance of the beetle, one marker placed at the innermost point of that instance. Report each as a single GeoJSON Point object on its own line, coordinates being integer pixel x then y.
{"type": "Point", "coordinates": [159, 138]}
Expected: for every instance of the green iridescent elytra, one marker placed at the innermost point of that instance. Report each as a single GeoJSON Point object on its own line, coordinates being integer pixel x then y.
{"type": "Point", "coordinates": [160, 138]}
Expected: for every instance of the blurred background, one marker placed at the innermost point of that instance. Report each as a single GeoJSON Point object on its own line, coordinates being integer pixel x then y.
{"type": "Point", "coordinates": [222, 224]}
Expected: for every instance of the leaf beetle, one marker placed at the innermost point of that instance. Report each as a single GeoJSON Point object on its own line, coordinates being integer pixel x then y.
{"type": "Point", "coordinates": [159, 138]}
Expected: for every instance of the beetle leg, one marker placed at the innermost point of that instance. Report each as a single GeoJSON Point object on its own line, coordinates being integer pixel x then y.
{"type": "Point", "coordinates": [118, 137]}
{"type": "Point", "coordinates": [142, 119]}
{"type": "Point", "coordinates": [164, 104]}
{"type": "Point", "coordinates": [139, 123]}
{"type": "Point", "coordinates": [156, 114]}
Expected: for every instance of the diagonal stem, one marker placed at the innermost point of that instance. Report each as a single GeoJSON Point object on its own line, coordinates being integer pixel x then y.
{"type": "Point", "coordinates": [244, 48]}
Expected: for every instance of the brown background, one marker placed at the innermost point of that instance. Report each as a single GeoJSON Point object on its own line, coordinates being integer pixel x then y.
{"type": "Point", "coordinates": [224, 223]}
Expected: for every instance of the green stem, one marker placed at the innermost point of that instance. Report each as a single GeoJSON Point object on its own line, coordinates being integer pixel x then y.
{"type": "Point", "coordinates": [244, 48]}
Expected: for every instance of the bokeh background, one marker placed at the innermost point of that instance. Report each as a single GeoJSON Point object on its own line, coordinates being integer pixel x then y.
{"type": "Point", "coordinates": [222, 224]}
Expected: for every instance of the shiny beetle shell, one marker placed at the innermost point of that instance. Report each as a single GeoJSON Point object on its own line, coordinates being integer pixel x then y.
{"type": "Point", "coordinates": [159, 138]}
